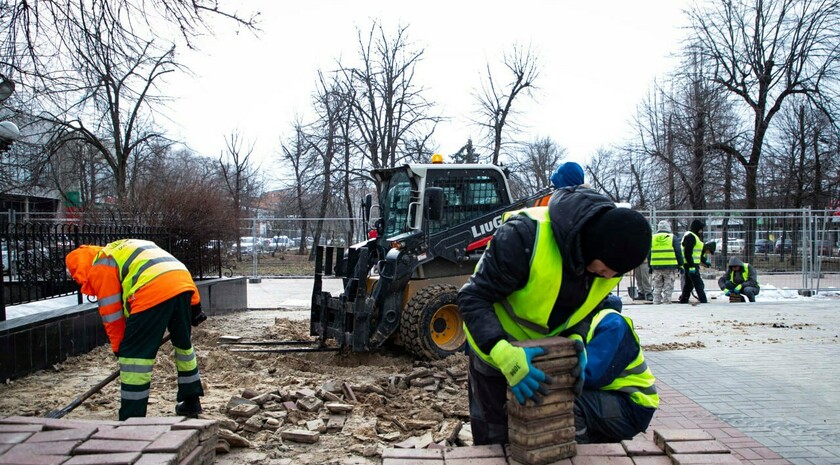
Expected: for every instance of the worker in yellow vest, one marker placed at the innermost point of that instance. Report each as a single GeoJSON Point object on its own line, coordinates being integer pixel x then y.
{"type": "Point", "coordinates": [666, 261]}
{"type": "Point", "coordinates": [692, 246]}
{"type": "Point", "coordinates": [142, 291]}
{"type": "Point", "coordinates": [740, 279]}
{"type": "Point", "coordinates": [545, 273]}
{"type": "Point", "coordinates": [618, 381]}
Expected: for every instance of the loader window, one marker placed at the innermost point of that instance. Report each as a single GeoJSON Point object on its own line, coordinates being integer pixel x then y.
{"type": "Point", "coordinates": [469, 194]}
{"type": "Point", "coordinates": [395, 200]}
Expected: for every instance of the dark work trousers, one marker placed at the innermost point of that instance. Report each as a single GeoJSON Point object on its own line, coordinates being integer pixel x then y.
{"type": "Point", "coordinates": [693, 282]}
{"type": "Point", "coordinates": [608, 416]}
{"type": "Point", "coordinates": [487, 395]}
{"type": "Point", "coordinates": [139, 347]}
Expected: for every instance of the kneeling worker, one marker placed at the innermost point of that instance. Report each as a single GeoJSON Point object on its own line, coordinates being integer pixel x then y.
{"type": "Point", "coordinates": [546, 272]}
{"type": "Point", "coordinates": [741, 279]}
{"type": "Point", "coordinates": [142, 291]}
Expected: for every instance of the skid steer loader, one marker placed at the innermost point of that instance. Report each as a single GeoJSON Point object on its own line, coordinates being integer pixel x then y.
{"type": "Point", "coordinates": [432, 223]}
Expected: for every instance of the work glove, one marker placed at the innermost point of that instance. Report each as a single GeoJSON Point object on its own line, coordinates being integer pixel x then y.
{"type": "Point", "coordinates": [580, 369]}
{"type": "Point", "coordinates": [727, 292]}
{"type": "Point", "coordinates": [737, 289]}
{"type": "Point", "coordinates": [693, 270]}
{"type": "Point", "coordinates": [198, 316]}
{"type": "Point", "coordinates": [707, 262]}
{"type": "Point", "coordinates": [515, 363]}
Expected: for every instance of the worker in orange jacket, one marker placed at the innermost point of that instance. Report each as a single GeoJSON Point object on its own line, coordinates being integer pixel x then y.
{"type": "Point", "coordinates": [142, 290]}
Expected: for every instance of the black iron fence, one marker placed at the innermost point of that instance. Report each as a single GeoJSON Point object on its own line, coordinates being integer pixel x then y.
{"type": "Point", "coordinates": [33, 265]}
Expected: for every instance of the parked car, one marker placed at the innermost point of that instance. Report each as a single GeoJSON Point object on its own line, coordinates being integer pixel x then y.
{"type": "Point", "coordinates": [823, 247]}
{"type": "Point", "coordinates": [247, 245]}
{"type": "Point", "coordinates": [733, 246]}
{"type": "Point", "coordinates": [783, 246]}
{"type": "Point", "coordinates": [280, 244]}
{"type": "Point", "coordinates": [764, 246]}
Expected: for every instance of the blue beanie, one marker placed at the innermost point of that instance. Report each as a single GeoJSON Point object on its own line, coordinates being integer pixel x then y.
{"type": "Point", "coordinates": [567, 174]}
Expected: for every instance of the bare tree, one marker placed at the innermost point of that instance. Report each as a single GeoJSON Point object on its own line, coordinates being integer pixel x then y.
{"type": "Point", "coordinates": [240, 178]}
{"type": "Point", "coordinates": [534, 163]}
{"type": "Point", "coordinates": [296, 153]}
{"type": "Point", "coordinates": [763, 52]}
{"type": "Point", "coordinates": [495, 100]}
{"type": "Point", "coordinates": [388, 107]}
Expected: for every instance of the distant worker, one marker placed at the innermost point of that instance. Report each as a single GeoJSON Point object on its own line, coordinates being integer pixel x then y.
{"type": "Point", "coordinates": [692, 248]}
{"type": "Point", "coordinates": [142, 291]}
{"type": "Point", "coordinates": [666, 260]}
{"type": "Point", "coordinates": [619, 396]}
{"type": "Point", "coordinates": [741, 279]}
{"type": "Point", "coordinates": [644, 290]}
{"type": "Point", "coordinates": [578, 248]}
{"type": "Point", "coordinates": [567, 174]}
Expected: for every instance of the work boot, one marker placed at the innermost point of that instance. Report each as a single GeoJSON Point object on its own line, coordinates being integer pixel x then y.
{"type": "Point", "coordinates": [189, 408]}
{"type": "Point", "coordinates": [649, 296]}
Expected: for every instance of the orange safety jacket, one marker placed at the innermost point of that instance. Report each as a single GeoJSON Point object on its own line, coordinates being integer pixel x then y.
{"type": "Point", "coordinates": [128, 276]}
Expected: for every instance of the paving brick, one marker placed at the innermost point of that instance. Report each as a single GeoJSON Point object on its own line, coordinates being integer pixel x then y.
{"type": "Point", "coordinates": [530, 411]}
{"type": "Point", "coordinates": [704, 459]}
{"type": "Point", "coordinates": [193, 458]}
{"type": "Point", "coordinates": [695, 447]}
{"type": "Point", "coordinates": [528, 439]}
{"type": "Point", "coordinates": [541, 425]}
{"type": "Point", "coordinates": [180, 443]}
{"type": "Point", "coordinates": [395, 461]}
{"type": "Point", "coordinates": [29, 459]}
{"type": "Point", "coordinates": [543, 455]}
{"type": "Point", "coordinates": [14, 438]}
{"type": "Point", "coordinates": [641, 446]}
{"type": "Point", "coordinates": [45, 448]}
{"type": "Point", "coordinates": [493, 450]}
{"type": "Point", "coordinates": [477, 461]}
{"type": "Point", "coordinates": [661, 436]}
{"type": "Point", "coordinates": [512, 461]}
{"type": "Point", "coordinates": [146, 421]}
{"type": "Point", "coordinates": [20, 428]}
{"type": "Point", "coordinates": [300, 435]}
{"type": "Point", "coordinates": [104, 446]}
{"type": "Point", "coordinates": [601, 460]}
{"type": "Point", "coordinates": [604, 450]}
{"type": "Point", "coordinates": [157, 459]}
{"type": "Point", "coordinates": [122, 458]}
{"type": "Point", "coordinates": [652, 460]}
{"type": "Point", "coordinates": [75, 434]}
{"type": "Point", "coordinates": [132, 433]}
{"type": "Point", "coordinates": [415, 454]}
{"type": "Point", "coordinates": [205, 428]}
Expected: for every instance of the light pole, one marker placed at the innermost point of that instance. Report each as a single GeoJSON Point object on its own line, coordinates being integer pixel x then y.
{"type": "Point", "coordinates": [8, 133]}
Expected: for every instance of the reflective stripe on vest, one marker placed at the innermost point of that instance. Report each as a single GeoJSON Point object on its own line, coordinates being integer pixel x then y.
{"type": "Point", "coordinates": [636, 379]}
{"type": "Point", "coordinates": [662, 252]}
{"type": "Point", "coordinates": [745, 274]}
{"type": "Point", "coordinates": [524, 314]}
{"type": "Point", "coordinates": [697, 252]}
{"type": "Point", "coordinates": [138, 262]}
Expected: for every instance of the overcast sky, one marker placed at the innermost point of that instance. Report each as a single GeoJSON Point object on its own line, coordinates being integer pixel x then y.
{"type": "Point", "coordinates": [598, 61]}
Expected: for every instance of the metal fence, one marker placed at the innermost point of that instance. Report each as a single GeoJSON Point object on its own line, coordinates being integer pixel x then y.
{"type": "Point", "coordinates": [796, 249]}
{"type": "Point", "coordinates": [33, 265]}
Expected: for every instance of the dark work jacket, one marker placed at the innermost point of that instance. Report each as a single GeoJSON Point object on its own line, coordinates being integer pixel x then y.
{"type": "Point", "coordinates": [505, 265]}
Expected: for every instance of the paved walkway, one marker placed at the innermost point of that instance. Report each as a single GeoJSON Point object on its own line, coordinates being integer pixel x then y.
{"type": "Point", "coordinates": [766, 375]}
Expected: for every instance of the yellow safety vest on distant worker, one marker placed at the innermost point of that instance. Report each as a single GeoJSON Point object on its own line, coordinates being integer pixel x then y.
{"type": "Point", "coordinates": [745, 274]}
{"type": "Point", "coordinates": [662, 252]}
{"type": "Point", "coordinates": [524, 313]}
{"type": "Point", "coordinates": [636, 379]}
{"type": "Point", "coordinates": [697, 253]}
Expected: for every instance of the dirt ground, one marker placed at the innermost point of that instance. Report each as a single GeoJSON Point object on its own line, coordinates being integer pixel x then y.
{"type": "Point", "coordinates": [397, 397]}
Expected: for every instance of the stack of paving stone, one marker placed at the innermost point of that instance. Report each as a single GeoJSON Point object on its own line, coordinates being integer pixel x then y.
{"type": "Point", "coordinates": [544, 433]}
{"type": "Point", "coordinates": [136, 441]}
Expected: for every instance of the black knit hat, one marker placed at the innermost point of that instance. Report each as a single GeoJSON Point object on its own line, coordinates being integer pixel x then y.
{"type": "Point", "coordinates": [619, 237]}
{"type": "Point", "coordinates": [696, 226]}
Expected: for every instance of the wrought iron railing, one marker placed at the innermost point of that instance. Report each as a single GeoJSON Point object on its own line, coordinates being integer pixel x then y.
{"type": "Point", "coordinates": [33, 265]}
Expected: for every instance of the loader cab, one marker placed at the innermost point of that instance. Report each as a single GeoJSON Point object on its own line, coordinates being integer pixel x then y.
{"type": "Point", "coordinates": [469, 191]}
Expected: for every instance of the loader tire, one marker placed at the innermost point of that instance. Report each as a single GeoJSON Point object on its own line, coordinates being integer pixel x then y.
{"type": "Point", "coordinates": [431, 326]}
